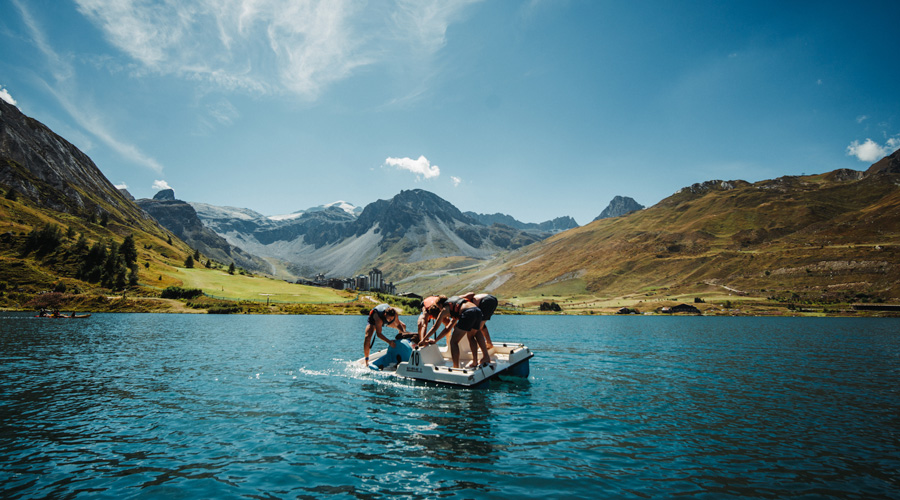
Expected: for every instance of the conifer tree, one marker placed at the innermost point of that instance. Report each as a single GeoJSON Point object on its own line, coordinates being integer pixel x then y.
{"type": "Point", "coordinates": [133, 275]}
{"type": "Point", "coordinates": [128, 251]}
{"type": "Point", "coordinates": [92, 264]}
{"type": "Point", "coordinates": [81, 246]}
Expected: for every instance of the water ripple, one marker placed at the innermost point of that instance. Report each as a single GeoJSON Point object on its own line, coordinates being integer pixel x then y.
{"type": "Point", "coordinates": [150, 406]}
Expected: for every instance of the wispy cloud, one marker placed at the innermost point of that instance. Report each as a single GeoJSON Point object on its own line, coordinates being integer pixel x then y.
{"type": "Point", "coordinates": [121, 185]}
{"type": "Point", "coordinates": [159, 185]}
{"type": "Point", "coordinates": [870, 151]}
{"type": "Point", "coordinates": [421, 167]}
{"type": "Point", "coordinates": [65, 90]}
{"type": "Point", "coordinates": [455, 180]}
{"type": "Point", "coordinates": [4, 94]}
{"type": "Point", "coordinates": [298, 47]}
{"type": "Point", "coordinates": [425, 22]}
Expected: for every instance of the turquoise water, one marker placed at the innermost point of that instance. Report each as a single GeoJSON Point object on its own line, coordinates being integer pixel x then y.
{"type": "Point", "coordinates": [204, 406]}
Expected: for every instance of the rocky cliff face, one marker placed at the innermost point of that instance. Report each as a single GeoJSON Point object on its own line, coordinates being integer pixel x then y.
{"type": "Point", "coordinates": [53, 173]}
{"type": "Point", "coordinates": [619, 206]}
{"type": "Point", "coordinates": [165, 195]}
{"type": "Point", "coordinates": [181, 218]}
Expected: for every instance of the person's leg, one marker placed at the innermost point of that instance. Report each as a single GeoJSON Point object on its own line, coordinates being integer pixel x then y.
{"type": "Point", "coordinates": [454, 345]}
{"type": "Point", "coordinates": [473, 346]}
{"type": "Point", "coordinates": [484, 348]}
{"type": "Point", "coordinates": [488, 306]}
{"type": "Point", "coordinates": [370, 331]}
{"type": "Point", "coordinates": [487, 335]}
{"type": "Point", "coordinates": [422, 328]}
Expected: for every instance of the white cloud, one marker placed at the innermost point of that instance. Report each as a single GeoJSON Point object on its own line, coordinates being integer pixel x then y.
{"type": "Point", "coordinates": [4, 94]}
{"type": "Point", "coordinates": [861, 118]}
{"type": "Point", "coordinates": [160, 185]}
{"type": "Point", "coordinates": [121, 186]}
{"type": "Point", "coordinates": [425, 22]}
{"type": "Point", "coordinates": [870, 151]}
{"type": "Point", "coordinates": [421, 167]}
{"type": "Point", "coordinates": [455, 180]}
{"type": "Point", "coordinates": [271, 46]}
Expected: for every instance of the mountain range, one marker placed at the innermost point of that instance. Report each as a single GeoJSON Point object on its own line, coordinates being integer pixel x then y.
{"type": "Point", "coordinates": [825, 237]}
{"type": "Point", "coordinates": [394, 235]}
{"type": "Point", "coordinates": [829, 237]}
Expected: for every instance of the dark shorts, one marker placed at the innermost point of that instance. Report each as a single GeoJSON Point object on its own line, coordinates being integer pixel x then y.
{"type": "Point", "coordinates": [488, 306]}
{"type": "Point", "coordinates": [372, 316]}
{"type": "Point", "coordinates": [469, 319]}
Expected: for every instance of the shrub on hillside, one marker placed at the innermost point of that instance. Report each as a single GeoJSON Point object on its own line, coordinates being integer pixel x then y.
{"type": "Point", "coordinates": [223, 310]}
{"type": "Point", "coordinates": [44, 240]}
{"type": "Point", "coordinates": [550, 306]}
{"type": "Point", "coordinates": [176, 292]}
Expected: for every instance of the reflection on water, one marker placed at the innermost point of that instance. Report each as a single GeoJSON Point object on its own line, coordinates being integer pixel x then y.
{"type": "Point", "coordinates": [149, 406]}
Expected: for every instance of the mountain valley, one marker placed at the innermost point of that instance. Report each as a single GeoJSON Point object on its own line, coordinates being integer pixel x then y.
{"type": "Point", "coordinates": [830, 238]}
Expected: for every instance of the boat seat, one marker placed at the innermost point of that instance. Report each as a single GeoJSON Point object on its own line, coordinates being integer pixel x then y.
{"type": "Point", "coordinates": [431, 355]}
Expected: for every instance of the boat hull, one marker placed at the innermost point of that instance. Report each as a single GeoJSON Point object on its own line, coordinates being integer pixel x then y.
{"type": "Point", "coordinates": [432, 364]}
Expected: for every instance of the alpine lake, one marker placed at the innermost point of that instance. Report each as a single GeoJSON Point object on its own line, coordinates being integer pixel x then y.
{"type": "Point", "coordinates": [127, 406]}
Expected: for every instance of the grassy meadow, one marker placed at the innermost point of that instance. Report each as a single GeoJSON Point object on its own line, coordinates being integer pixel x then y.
{"type": "Point", "coordinates": [220, 284]}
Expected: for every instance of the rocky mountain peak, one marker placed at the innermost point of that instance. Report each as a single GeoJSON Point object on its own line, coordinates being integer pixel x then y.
{"type": "Point", "coordinates": [619, 206]}
{"type": "Point", "coordinates": [165, 195]}
{"type": "Point", "coordinates": [52, 172]}
{"type": "Point", "coordinates": [889, 164]}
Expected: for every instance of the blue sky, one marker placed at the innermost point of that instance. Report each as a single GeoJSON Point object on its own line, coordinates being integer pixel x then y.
{"type": "Point", "coordinates": [537, 109]}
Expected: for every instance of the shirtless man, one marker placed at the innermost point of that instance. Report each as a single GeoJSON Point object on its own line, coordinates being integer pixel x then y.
{"type": "Point", "coordinates": [488, 304]}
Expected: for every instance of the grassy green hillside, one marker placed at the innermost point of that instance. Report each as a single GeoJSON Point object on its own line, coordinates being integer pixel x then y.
{"type": "Point", "coordinates": [56, 263]}
{"type": "Point", "coordinates": [825, 239]}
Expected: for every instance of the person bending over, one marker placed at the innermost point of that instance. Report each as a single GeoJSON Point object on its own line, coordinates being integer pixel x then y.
{"type": "Point", "coordinates": [465, 321]}
{"type": "Point", "coordinates": [380, 316]}
{"type": "Point", "coordinates": [431, 310]}
{"type": "Point", "coordinates": [488, 304]}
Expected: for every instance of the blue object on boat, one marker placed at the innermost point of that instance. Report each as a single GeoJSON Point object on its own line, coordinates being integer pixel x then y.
{"type": "Point", "coordinates": [520, 370]}
{"type": "Point", "coordinates": [395, 355]}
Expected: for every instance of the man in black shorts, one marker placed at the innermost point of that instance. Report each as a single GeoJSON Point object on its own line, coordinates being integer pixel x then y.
{"type": "Point", "coordinates": [466, 321]}
{"type": "Point", "coordinates": [488, 304]}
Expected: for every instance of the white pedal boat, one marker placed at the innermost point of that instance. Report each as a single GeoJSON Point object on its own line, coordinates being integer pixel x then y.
{"type": "Point", "coordinates": [434, 364]}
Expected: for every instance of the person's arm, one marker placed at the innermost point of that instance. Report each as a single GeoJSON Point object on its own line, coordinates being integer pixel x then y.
{"type": "Point", "coordinates": [437, 323]}
{"type": "Point", "coordinates": [446, 329]}
{"type": "Point", "coordinates": [378, 325]}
